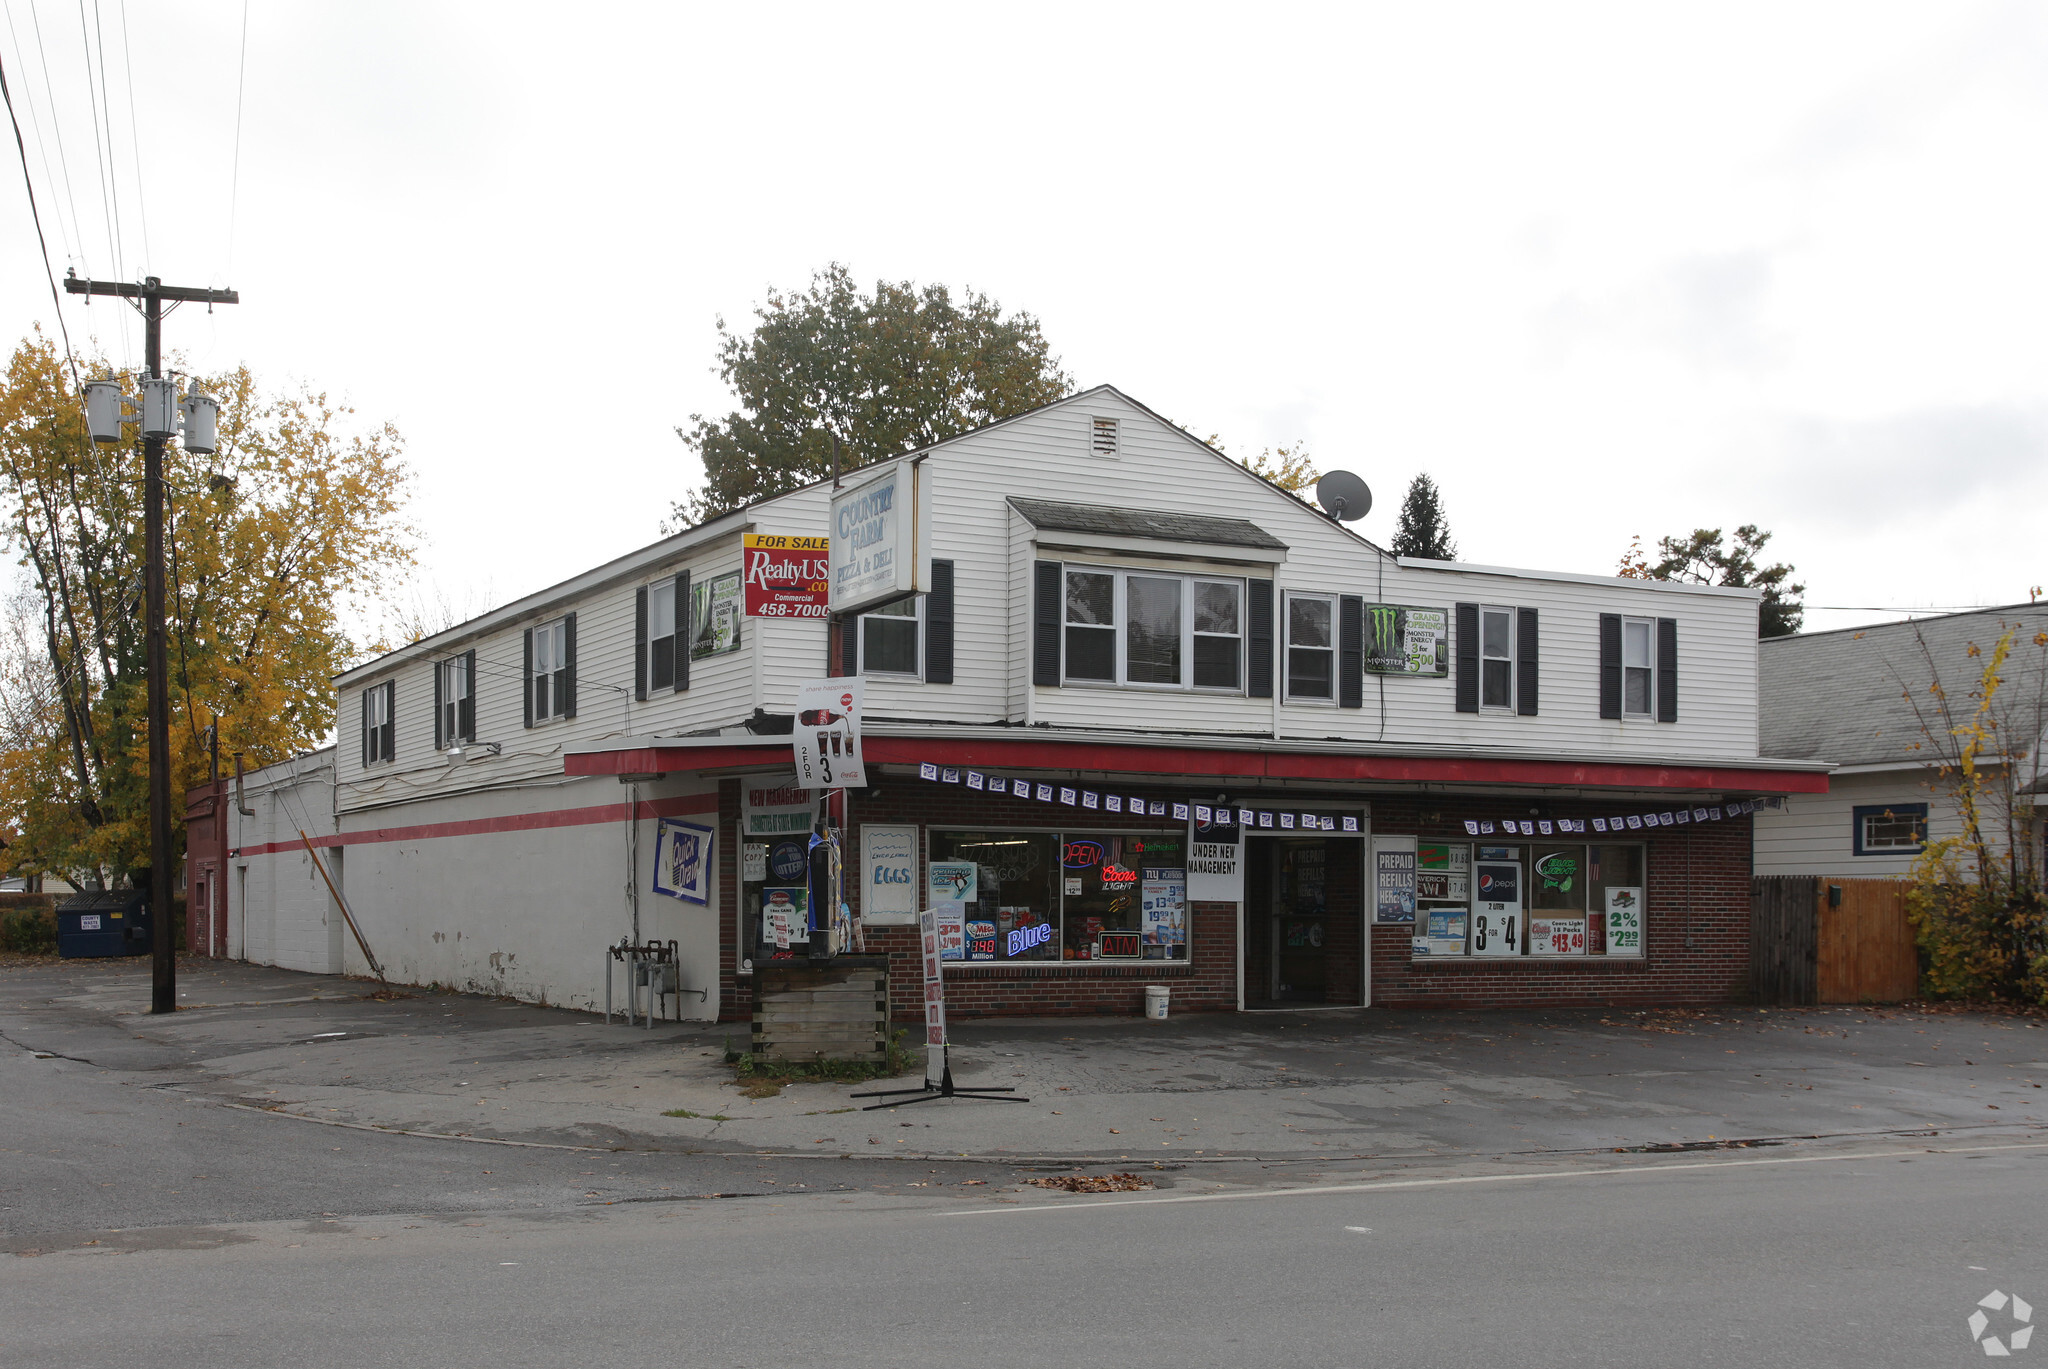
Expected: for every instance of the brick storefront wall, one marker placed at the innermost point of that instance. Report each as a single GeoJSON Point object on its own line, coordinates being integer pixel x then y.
{"type": "Point", "coordinates": [1698, 893]}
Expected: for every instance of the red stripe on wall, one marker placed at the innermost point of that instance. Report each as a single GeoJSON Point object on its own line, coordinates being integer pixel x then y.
{"type": "Point", "coordinates": [517, 822]}
{"type": "Point", "coordinates": [1024, 754]}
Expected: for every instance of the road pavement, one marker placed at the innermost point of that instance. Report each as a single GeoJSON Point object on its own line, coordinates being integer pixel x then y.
{"type": "Point", "coordinates": [1529, 1188]}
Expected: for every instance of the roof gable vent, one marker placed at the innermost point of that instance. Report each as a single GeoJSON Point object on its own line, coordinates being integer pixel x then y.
{"type": "Point", "coordinates": [1102, 438]}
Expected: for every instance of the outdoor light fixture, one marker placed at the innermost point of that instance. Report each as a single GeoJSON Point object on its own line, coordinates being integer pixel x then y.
{"type": "Point", "coordinates": [489, 748]}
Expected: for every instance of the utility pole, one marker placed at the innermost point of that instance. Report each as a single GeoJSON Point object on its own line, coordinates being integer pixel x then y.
{"type": "Point", "coordinates": [152, 293]}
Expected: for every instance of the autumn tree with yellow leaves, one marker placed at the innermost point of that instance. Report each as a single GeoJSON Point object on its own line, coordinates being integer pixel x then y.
{"type": "Point", "coordinates": [273, 544]}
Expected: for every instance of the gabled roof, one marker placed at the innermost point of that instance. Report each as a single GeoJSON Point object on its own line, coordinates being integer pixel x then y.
{"type": "Point", "coordinates": [1147, 523]}
{"type": "Point", "coordinates": [1840, 696]}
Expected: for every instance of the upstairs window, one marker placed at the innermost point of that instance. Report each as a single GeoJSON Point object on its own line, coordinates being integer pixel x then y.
{"type": "Point", "coordinates": [455, 700]}
{"type": "Point", "coordinates": [889, 638]}
{"type": "Point", "coordinates": [1311, 647]}
{"type": "Point", "coordinates": [1151, 629]}
{"type": "Point", "coordinates": [1496, 657]}
{"type": "Point", "coordinates": [1091, 626]}
{"type": "Point", "coordinates": [1638, 667]}
{"type": "Point", "coordinates": [1219, 634]}
{"type": "Point", "coordinates": [379, 735]}
{"type": "Point", "coordinates": [661, 634]}
{"type": "Point", "coordinates": [549, 686]}
{"type": "Point", "coordinates": [1152, 641]}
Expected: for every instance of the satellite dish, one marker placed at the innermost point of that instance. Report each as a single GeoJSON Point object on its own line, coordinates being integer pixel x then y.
{"type": "Point", "coordinates": [1344, 495]}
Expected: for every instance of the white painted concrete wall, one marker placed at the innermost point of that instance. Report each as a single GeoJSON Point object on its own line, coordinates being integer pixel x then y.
{"type": "Point", "coordinates": [524, 913]}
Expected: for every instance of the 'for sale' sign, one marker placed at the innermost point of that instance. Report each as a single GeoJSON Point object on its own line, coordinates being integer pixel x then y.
{"type": "Point", "coordinates": [786, 577]}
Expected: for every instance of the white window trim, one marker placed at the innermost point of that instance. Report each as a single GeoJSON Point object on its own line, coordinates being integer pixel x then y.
{"type": "Point", "coordinates": [386, 691]}
{"type": "Point", "coordinates": [451, 702]}
{"type": "Point", "coordinates": [554, 715]}
{"type": "Point", "coordinates": [1286, 626]}
{"type": "Point", "coordinates": [677, 613]}
{"type": "Point", "coordinates": [1648, 714]}
{"type": "Point", "coordinates": [1514, 631]}
{"type": "Point", "coordinates": [861, 642]}
{"type": "Point", "coordinates": [1119, 576]}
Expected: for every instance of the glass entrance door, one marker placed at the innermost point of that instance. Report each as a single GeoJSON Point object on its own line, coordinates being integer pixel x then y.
{"type": "Point", "coordinates": [1303, 924]}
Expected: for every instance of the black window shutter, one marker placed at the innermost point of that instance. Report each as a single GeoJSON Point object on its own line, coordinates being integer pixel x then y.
{"type": "Point", "coordinates": [640, 643]}
{"type": "Point", "coordinates": [391, 720]}
{"type": "Point", "coordinates": [1258, 670]}
{"type": "Point", "coordinates": [849, 645]}
{"type": "Point", "coordinates": [1350, 651]}
{"type": "Point", "coordinates": [367, 744]}
{"type": "Point", "coordinates": [439, 740]}
{"type": "Point", "coordinates": [1467, 645]}
{"type": "Point", "coordinates": [1525, 664]}
{"type": "Point", "coordinates": [1046, 579]}
{"type": "Point", "coordinates": [1667, 670]}
{"type": "Point", "coordinates": [938, 626]}
{"type": "Point", "coordinates": [565, 679]}
{"type": "Point", "coordinates": [467, 722]}
{"type": "Point", "coordinates": [1610, 665]}
{"type": "Point", "coordinates": [526, 678]}
{"type": "Point", "coordinates": [684, 631]}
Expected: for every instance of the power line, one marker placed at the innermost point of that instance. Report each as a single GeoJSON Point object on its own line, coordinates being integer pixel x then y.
{"type": "Point", "coordinates": [235, 178]}
{"type": "Point", "coordinates": [110, 210]}
{"type": "Point", "coordinates": [56, 127]}
{"type": "Point", "coordinates": [35, 122]}
{"type": "Point", "coordinates": [56, 300]}
{"type": "Point", "coordinates": [134, 135]}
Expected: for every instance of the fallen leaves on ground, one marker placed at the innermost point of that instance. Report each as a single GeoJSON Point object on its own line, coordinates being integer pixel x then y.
{"type": "Point", "coordinates": [1093, 1183]}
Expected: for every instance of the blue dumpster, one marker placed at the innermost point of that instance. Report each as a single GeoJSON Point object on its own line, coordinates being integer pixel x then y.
{"type": "Point", "coordinates": [103, 924]}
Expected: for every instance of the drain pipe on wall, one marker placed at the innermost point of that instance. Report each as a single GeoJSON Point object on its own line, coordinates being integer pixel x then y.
{"type": "Point", "coordinates": [633, 857]}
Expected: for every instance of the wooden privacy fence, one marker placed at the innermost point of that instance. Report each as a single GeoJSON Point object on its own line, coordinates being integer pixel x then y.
{"type": "Point", "coordinates": [1817, 940]}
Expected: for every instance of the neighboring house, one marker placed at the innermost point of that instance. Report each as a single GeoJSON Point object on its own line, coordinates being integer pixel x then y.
{"type": "Point", "coordinates": [1849, 696]}
{"type": "Point", "coordinates": [1466, 784]}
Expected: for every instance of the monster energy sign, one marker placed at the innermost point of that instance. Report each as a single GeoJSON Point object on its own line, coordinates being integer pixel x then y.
{"type": "Point", "coordinates": [1400, 640]}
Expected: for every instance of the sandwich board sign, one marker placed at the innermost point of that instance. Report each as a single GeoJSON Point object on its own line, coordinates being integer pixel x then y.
{"type": "Point", "coordinates": [826, 739]}
{"type": "Point", "coordinates": [934, 998]}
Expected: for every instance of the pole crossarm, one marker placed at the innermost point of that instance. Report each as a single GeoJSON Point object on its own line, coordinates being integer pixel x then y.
{"type": "Point", "coordinates": [150, 288]}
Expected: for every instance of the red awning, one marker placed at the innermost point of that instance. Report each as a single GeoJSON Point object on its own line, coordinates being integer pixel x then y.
{"type": "Point", "coordinates": [1235, 765]}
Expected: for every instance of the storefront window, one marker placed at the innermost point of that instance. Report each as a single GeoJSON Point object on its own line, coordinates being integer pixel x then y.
{"type": "Point", "coordinates": [1443, 897]}
{"type": "Point", "coordinates": [1069, 896]}
{"type": "Point", "coordinates": [1559, 899]}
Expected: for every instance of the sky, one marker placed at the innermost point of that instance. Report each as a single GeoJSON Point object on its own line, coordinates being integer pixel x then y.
{"type": "Point", "coordinates": [1602, 271]}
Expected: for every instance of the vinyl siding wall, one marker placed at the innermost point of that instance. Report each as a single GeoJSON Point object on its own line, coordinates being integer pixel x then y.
{"type": "Point", "coordinates": [1047, 455]}
{"type": "Point", "coordinates": [1814, 834]}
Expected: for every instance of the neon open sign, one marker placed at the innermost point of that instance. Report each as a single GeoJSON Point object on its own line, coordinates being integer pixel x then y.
{"type": "Point", "coordinates": [1081, 855]}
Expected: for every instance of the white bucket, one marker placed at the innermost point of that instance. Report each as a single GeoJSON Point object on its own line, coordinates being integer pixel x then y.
{"type": "Point", "coordinates": [1155, 1001]}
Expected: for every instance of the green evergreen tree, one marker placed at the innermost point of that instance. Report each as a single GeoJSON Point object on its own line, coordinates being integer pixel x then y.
{"type": "Point", "coordinates": [1423, 531]}
{"type": "Point", "coordinates": [1703, 559]}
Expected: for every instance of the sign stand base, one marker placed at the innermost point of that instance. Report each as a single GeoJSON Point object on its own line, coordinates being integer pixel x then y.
{"type": "Point", "coordinates": [928, 1091]}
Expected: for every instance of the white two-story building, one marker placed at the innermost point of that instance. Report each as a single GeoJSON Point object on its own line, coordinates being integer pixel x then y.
{"type": "Point", "coordinates": [1153, 721]}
